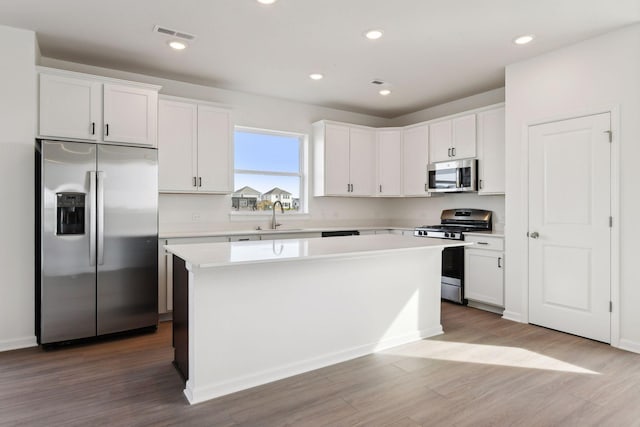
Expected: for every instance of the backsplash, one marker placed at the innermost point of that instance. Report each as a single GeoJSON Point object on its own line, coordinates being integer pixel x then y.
{"type": "Point", "coordinates": [203, 212]}
{"type": "Point", "coordinates": [427, 211]}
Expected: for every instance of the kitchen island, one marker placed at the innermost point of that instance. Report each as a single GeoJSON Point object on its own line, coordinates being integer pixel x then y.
{"type": "Point", "coordinates": [248, 313]}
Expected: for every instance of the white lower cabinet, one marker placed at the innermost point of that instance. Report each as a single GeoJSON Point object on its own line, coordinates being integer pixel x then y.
{"type": "Point", "coordinates": [484, 271]}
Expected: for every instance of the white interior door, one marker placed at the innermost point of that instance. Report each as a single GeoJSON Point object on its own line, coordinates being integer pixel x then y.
{"type": "Point", "coordinates": [569, 228]}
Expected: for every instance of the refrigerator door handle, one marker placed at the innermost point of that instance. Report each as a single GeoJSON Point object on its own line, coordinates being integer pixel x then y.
{"type": "Point", "coordinates": [100, 216]}
{"type": "Point", "coordinates": [92, 218]}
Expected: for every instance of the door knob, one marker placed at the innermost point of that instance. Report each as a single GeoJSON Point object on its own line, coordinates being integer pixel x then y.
{"type": "Point", "coordinates": [534, 235]}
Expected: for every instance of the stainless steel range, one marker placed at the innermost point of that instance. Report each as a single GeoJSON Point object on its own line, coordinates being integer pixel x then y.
{"type": "Point", "coordinates": [453, 224]}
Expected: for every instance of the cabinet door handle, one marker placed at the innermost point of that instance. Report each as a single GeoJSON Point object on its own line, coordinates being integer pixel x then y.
{"type": "Point", "coordinates": [93, 128]}
{"type": "Point", "coordinates": [381, 188]}
{"type": "Point", "coordinates": [499, 262]}
{"type": "Point", "coordinates": [453, 152]}
{"type": "Point", "coordinates": [199, 181]}
{"type": "Point", "coordinates": [480, 183]}
{"type": "Point", "coordinates": [482, 243]}
{"type": "Point", "coordinates": [106, 129]}
{"type": "Point", "coordinates": [449, 152]}
{"type": "Point", "coordinates": [195, 182]}
{"type": "Point", "coordinates": [425, 187]}
{"type": "Point", "coordinates": [348, 188]}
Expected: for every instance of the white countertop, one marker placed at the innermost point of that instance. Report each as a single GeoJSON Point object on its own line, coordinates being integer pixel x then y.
{"type": "Point", "coordinates": [283, 230]}
{"type": "Point", "coordinates": [204, 255]}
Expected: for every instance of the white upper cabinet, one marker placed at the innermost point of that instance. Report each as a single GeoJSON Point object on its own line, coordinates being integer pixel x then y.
{"type": "Point", "coordinates": [70, 107]}
{"type": "Point", "coordinates": [491, 145]}
{"type": "Point", "coordinates": [440, 141]}
{"type": "Point", "coordinates": [453, 139]}
{"type": "Point", "coordinates": [362, 159]}
{"type": "Point", "coordinates": [415, 158]}
{"type": "Point", "coordinates": [344, 157]}
{"type": "Point", "coordinates": [130, 114]}
{"type": "Point", "coordinates": [353, 160]}
{"type": "Point", "coordinates": [194, 147]}
{"type": "Point", "coordinates": [336, 160]}
{"type": "Point", "coordinates": [389, 142]}
{"type": "Point", "coordinates": [463, 144]}
{"type": "Point", "coordinates": [90, 108]}
{"type": "Point", "coordinates": [215, 150]}
{"type": "Point", "coordinates": [177, 146]}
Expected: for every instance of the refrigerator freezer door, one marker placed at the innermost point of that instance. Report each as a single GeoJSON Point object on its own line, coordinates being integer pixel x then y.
{"type": "Point", "coordinates": [68, 280]}
{"type": "Point", "coordinates": [127, 190]}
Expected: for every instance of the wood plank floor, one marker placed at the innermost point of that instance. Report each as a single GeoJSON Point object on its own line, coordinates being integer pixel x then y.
{"type": "Point", "coordinates": [483, 371]}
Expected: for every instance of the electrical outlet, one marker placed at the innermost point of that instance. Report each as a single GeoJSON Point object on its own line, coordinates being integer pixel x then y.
{"type": "Point", "coordinates": [195, 216]}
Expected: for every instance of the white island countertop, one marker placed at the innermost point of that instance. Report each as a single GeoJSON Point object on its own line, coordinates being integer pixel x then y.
{"type": "Point", "coordinates": [205, 255]}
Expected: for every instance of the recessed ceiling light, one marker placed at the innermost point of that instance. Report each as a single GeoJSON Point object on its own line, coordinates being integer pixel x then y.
{"type": "Point", "coordinates": [175, 44]}
{"type": "Point", "coordinates": [373, 34]}
{"type": "Point", "coordinates": [384, 92]}
{"type": "Point", "coordinates": [524, 39]}
{"type": "Point", "coordinates": [316, 76]}
{"type": "Point", "coordinates": [266, 1]}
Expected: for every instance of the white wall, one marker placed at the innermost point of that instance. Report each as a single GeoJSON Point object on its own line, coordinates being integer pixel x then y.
{"type": "Point", "coordinates": [579, 79]}
{"type": "Point", "coordinates": [479, 100]}
{"type": "Point", "coordinates": [17, 132]}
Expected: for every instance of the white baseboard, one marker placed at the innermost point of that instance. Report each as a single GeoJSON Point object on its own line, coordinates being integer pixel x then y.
{"type": "Point", "coordinates": [201, 394]}
{"type": "Point", "coordinates": [513, 316]}
{"type": "Point", "coordinates": [629, 345]}
{"type": "Point", "coordinates": [16, 343]}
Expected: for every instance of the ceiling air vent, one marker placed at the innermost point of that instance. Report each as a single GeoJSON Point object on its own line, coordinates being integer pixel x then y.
{"type": "Point", "coordinates": [173, 33]}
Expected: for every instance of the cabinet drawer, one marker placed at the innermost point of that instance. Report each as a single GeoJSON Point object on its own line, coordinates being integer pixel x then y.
{"type": "Point", "coordinates": [486, 242]}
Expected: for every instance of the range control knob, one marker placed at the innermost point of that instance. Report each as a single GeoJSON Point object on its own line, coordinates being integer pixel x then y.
{"type": "Point", "coordinates": [446, 235]}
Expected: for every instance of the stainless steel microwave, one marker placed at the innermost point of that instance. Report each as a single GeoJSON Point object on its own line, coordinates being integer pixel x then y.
{"type": "Point", "coordinates": [454, 176]}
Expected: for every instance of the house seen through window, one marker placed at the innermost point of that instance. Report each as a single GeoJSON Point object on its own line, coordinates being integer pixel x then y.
{"type": "Point", "coordinates": [268, 169]}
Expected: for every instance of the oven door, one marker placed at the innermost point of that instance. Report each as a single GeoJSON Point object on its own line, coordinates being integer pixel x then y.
{"type": "Point", "coordinates": [456, 176]}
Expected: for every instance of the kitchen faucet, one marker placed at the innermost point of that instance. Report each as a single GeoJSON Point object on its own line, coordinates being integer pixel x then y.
{"type": "Point", "coordinates": [274, 224]}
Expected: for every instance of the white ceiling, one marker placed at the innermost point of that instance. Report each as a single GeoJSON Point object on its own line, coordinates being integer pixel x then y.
{"type": "Point", "coordinates": [432, 51]}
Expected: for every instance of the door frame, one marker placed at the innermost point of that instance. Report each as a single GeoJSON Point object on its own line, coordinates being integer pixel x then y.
{"type": "Point", "coordinates": [614, 111]}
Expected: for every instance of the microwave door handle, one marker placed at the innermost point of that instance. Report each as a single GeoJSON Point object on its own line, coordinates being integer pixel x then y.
{"type": "Point", "coordinates": [458, 177]}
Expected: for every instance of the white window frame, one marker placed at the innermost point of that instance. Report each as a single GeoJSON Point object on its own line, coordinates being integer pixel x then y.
{"type": "Point", "coordinates": [302, 174]}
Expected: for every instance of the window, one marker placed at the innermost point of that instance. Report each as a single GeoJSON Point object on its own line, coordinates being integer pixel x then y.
{"type": "Point", "coordinates": [269, 168]}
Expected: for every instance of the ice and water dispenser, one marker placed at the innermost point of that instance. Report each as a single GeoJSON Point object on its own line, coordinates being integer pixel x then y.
{"type": "Point", "coordinates": [70, 212]}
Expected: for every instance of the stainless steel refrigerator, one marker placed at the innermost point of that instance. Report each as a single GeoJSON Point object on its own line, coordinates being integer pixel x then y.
{"type": "Point", "coordinates": [96, 239]}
